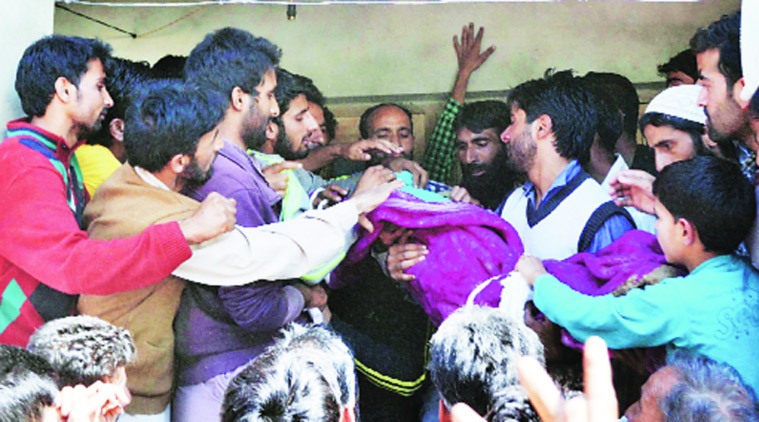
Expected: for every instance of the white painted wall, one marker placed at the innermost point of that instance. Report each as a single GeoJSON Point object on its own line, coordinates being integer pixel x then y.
{"type": "Point", "coordinates": [21, 23]}
{"type": "Point", "coordinates": [374, 50]}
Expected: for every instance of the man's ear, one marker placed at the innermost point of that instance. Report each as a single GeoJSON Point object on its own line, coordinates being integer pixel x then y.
{"type": "Point", "coordinates": [688, 232]}
{"type": "Point", "coordinates": [65, 90]}
{"type": "Point", "coordinates": [542, 127]}
{"type": "Point", "coordinates": [443, 413]}
{"type": "Point", "coordinates": [179, 162]}
{"type": "Point", "coordinates": [737, 89]}
{"type": "Point", "coordinates": [117, 129]}
{"type": "Point", "coordinates": [237, 99]}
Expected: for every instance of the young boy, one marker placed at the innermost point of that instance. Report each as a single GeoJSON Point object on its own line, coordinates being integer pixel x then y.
{"type": "Point", "coordinates": [704, 208]}
{"type": "Point", "coordinates": [84, 349]}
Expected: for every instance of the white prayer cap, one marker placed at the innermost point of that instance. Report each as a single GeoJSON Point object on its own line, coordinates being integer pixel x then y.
{"type": "Point", "coordinates": [679, 101]}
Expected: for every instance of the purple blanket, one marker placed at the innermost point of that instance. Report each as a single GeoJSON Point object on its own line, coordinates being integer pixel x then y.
{"type": "Point", "coordinates": [469, 245]}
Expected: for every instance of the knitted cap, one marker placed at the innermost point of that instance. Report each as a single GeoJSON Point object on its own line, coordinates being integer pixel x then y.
{"type": "Point", "coordinates": [679, 101]}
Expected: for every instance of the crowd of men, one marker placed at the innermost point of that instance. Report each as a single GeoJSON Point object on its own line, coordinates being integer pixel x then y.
{"type": "Point", "coordinates": [181, 213]}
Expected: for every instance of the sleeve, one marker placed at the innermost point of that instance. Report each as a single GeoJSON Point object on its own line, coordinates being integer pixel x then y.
{"type": "Point", "coordinates": [262, 306]}
{"type": "Point", "coordinates": [248, 198]}
{"type": "Point", "coordinates": [641, 318]}
{"type": "Point", "coordinates": [41, 236]}
{"type": "Point", "coordinates": [612, 229]}
{"type": "Point", "coordinates": [277, 251]}
{"type": "Point", "coordinates": [439, 155]}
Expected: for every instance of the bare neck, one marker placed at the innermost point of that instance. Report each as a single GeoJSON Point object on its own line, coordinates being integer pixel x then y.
{"type": "Point", "coordinates": [544, 173]}
{"type": "Point", "coordinates": [58, 124]}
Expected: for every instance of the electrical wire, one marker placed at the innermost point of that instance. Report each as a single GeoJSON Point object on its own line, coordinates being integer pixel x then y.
{"type": "Point", "coordinates": [288, 2]}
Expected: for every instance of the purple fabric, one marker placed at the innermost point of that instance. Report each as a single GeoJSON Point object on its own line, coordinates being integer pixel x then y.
{"type": "Point", "coordinates": [467, 245]}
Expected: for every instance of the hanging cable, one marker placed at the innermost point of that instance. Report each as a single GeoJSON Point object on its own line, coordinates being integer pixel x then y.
{"type": "Point", "coordinates": [296, 2]}
{"type": "Point", "coordinates": [131, 34]}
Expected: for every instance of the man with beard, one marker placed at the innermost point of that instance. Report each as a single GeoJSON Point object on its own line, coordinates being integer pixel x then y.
{"type": "Point", "coordinates": [486, 174]}
{"type": "Point", "coordinates": [561, 210]}
{"type": "Point", "coordinates": [718, 55]}
{"type": "Point", "coordinates": [46, 258]}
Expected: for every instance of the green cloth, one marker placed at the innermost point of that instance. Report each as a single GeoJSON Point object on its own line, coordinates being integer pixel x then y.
{"type": "Point", "coordinates": [440, 157]}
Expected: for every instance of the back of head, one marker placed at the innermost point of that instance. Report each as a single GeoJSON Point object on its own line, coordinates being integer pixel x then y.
{"type": "Point", "coordinates": [623, 95]}
{"type": "Point", "coordinates": [229, 58]}
{"type": "Point", "coordinates": [609, 126]}
{"type": "Point", "coordinates": [313, 337]}
{"type": "Point", "coordinates": [363, 124]}
{"type": "Point", "coordinates": [707, 392]}
{"type": "Point", "coordinates": [684, 61]}
{"type": "Point", "coordinates": [27, 385]}
{"type": "Point", "coordinates": [678, 108]}
{"type": "Point", "coordinates": [568, 103]}
{"type": "Point", "coordinates": [168, 118]}
{"type": "Point", "coordinates": [283, 386]}
{"type": "Point", "coordinates": [723, 35]}
{"type": "Point", "coordinates": [47, 60]}
{"type": "Point", "coordinates": [124, 79]}
{"type": "Point", "coordinates": [83, 349]}
{"type": "Point", "coordinates": [169, 67]}
{"type": "Point", "coordinates": [481, 115]}
{"type": "Point", "coordinates": [713, 195]}
{"type": "Point", "coordinates": [473, 360]}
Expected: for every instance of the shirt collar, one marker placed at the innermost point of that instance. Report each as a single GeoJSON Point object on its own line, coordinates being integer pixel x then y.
{"type": "Point", "coordinates": [570, 171]}
{"type": "Point", "coordinates": [150, 179]}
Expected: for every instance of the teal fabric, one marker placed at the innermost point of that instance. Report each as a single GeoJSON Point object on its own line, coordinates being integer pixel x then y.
{"type": "Point", "coordinates": [713, 311]}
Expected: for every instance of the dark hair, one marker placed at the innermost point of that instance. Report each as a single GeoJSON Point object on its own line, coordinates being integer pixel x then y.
{"type": "Point", "coordinates": [230, 57]}
{"type": "Point", "coordinates": [124, 79]}
{"type": "Point", "coordinates": [363, 124]}
{"type": "Point", "coordinates": [724, 35]}
{"type": "Point", "coordinates": [684, 61]}
{"type": "Point", "coordinates": [694, 129]}
{"type": "Point", "coordinates": [568, 103]}
{"type": "Point", "coordinates": [707, 391]}
{"type": "Point", "coordinates": [47, 60]}
{"type": "Point", "coordinates": [283, 386]}
{"type": "Point", "coordinates": [623, 95]}
{"type": "Point", "coordinates": [27, 385]}
{"type": "Point", "coordinates": [290, 85]}
{"type": "Point", "coordinates": [610, 123]}
{"type": "Point", "coordinates": [473, 360]}
{"type": "Point", "coordinates": [753, 106]}
{"type": "Point", "coordinates": [713, 195]}
{"type": "Point", "coordinates": [169, 118]}
{"type": "Point", "coordinates": [83, 349]}
{"type": "Point", "coordinates": [330, 122]}
{"type": "Point", "coordinates": [169, 67]}
{"type": "Point", "coordinates": [482, 115]}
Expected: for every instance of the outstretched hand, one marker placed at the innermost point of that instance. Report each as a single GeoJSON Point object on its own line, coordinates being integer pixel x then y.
{"type": "Point", "coordinates": [277, 178]}
{"type": "Point", "coordinates": [468, 50]}
{"type": "Point", "coordinates": [599, 404]}
{"type": "Point", "coordinates": [633, 188]}
{"type": "Point", "coordinates": [362, 150]}
{"type": "Point", "coordinates": [403, 255]}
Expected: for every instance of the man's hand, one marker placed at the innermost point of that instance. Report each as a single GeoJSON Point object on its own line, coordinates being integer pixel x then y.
{"type": "Point", "coordinates": [369, 200]}
{"type": "Point", "coordinates": [361, 150]}
{"type": "Point", "coordinates": [100, 402]}
{"type": "Point", "coordinates": [469, 57]}
{"type": "Point", "coordinates": [372, 177]}
{"type": "Point", "coordinates": [460, 194]}
{"type": "Point", "coordinates": [468, 50]}
{"type": "Point", "coordinates": [403, 255]}
{"type": "Point", "coordinates": [331, 193]}
{"type": "Point", "coordinates": [398, 164]}
{"type": "Point", "coordinates": [313, 296]}
{"type": "Point", "coordinates": [599, 403]}
{"type": "Point", "coordinates": [275, 176]}
{"type": "Point", "coordinates": [530, 267]}
{"type": "Point", "coordinates": [633, 188]}
{"type": "Point", "coordinates": [215, 216]}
